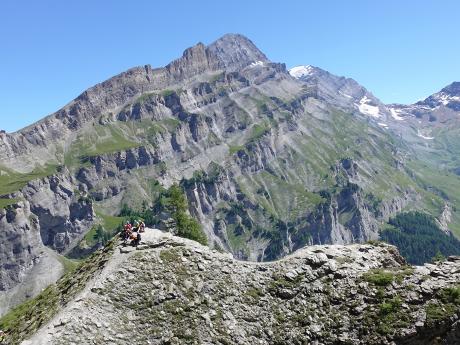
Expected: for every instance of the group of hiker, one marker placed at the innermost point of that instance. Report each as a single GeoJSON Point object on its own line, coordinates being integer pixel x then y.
{"type": "Point", "coordinates": [133, 233]}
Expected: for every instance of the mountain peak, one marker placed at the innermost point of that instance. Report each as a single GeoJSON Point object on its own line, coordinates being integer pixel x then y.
{"type": "Point", "coordinates": [235, 51]}
{"type": "Point", "coordinates": [448, 97]}
{"type": "Point", "coordinates": [452, 89]}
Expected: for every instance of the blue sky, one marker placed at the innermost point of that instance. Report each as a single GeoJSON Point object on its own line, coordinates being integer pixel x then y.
{"type": "Point", "coordinates": [51, 51]}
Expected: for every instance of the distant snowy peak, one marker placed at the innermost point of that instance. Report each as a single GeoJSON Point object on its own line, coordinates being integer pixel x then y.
{"type": "Point", "coordinates": [448, 97]}
{"type": "Point", "coordinates": [440, 98]}
{"type": "Point", "coordinates": [301, 71]}
{"type": "Point", "coordinates": [452, 89]}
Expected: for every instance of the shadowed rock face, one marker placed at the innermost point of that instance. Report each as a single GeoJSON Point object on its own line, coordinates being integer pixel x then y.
{"type": "Point", "coordinates": [357, 294]}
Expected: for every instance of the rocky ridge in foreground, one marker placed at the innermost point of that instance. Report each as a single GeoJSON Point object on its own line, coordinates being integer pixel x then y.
{"type": "Point", "coordinates": [175, 291]}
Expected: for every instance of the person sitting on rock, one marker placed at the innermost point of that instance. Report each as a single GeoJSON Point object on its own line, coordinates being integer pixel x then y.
{"type": "Point", "coordinates": [136, 226]}
{"type": "Point", "coordinates": [135, 238]}
{"type": "Point", "coordinates": [141, 226]}
{"type": "Point", "coordinates": [127, 231]}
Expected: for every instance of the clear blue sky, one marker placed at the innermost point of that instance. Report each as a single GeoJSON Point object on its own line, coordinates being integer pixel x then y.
{"type": "Point", "coordinates": [50, 50]}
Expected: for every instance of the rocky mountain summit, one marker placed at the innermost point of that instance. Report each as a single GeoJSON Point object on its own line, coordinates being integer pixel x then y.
{"type": "Point", "coordinates": [269, 160]}
{"type": "Point", "coordinates": [342, 92]}
{"type": "Point", "coordinates": [448, 97]}
{"type": "Point", "coordinates": [170, 290]}
{"type": "Point", "coordinates": [230, 53]}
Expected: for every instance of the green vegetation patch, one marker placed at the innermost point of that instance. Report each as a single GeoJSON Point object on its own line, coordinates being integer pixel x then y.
{"type": "Point", "coordinates": [170, 255]}
{"type": "Point", "coordinates": [392, 316]}
{"type": "Point", "coordinates": [418, 238]}
{"type": "Point", "coordinates": [99, 140]}
{"type": "Point", "coordinates": [101, 233]}
{"type": "Point", "coordinates": [379, 277]}
{"type": "Point", "coordinates": [284, 199]}
{"type": "Point", "coordinates": [171, 124]}
{"type": "Point", "coordinates": [436, 312]}
{"type": "Point", "coordinates": [234, 149]}
{"type": "Point", "coordinates": [280, 282]}
{"type": "Point", "coordinates": [166, 93]}
{"type": "Point", "coordinates": [258, 131]}
{"type": "Point", "coordinates": [450, 295]}
{"type": "Point", "coordinates": [186, 226]}
{"type": "Point", "coordinates": [145, 97]}
{"type": "Point", "coordinates": [13, 181]}
{"type": "Point", "coordinates": [69, 265]}
{"type": "Point", "coordinates": [383, 277]}
{"type": "Point", "coordinates": [439, 185]}
{"type": "Point", "coordinates": [447, 305]}
{"type": "Point", "coordinates": [7, 202]}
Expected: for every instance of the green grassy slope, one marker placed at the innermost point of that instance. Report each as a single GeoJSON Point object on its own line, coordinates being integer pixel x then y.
{"type": "Point", "coordinates": [12, 181]}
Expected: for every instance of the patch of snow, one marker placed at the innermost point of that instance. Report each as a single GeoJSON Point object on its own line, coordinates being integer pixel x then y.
{"type": "Point", "coordinates": [384, 125]}
{"type": "Point", "coordinates": [395, 115]}
{"type": "Point", "coordinates": [368, 109]}
{"type": "Point", "coordinates": [445, 98]}
{"type": "Point", "coordinates": [344, 94]}
{"type": "Point", "coordinates": [301, 71]}
{"type": "Point", "coordinates": [257, 63]}
{"type": "Point", "coordinates": [419, 134]}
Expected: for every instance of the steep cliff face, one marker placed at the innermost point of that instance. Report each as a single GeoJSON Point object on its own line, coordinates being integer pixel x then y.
{"type": "Point", "coordinates": [48, 213]}
{"type": "Point", "coordinates": [20, 243]}
{"type": "Point", "coordinates": [54, 208]}
{"type": "Point", "coordinates": [333, 294]}
{"type": "Point", "coordinates": [63, 214]}
{"type": "Point", "coordinates": [26, 264]}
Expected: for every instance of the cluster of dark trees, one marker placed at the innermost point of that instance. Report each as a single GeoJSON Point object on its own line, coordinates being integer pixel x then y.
{"type": "Point", "coordinates": [419, 238]}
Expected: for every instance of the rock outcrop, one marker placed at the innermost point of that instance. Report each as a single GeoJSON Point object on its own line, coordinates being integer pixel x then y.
{"type": "Point", "coordinates": [174, 291]}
